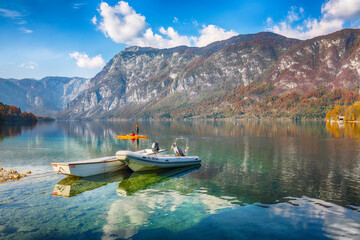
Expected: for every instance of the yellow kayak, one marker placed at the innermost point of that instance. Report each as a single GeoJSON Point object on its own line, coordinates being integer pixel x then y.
{"type": "Point", "coordinates": [131, 137]}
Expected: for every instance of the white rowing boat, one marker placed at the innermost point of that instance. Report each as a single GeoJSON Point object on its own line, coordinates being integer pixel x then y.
{"type": "Point", "coordinates": [89, 167]}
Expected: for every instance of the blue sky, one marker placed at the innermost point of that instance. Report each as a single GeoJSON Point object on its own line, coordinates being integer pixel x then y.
{"type": "Point", "coordinates": [41, 38]}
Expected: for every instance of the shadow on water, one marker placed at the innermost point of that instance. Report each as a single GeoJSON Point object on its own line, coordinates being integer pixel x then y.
{"type": "Point", "coordinates": [144, 180]}
{"type": "Point", "coordinates": [74, 185]}
{"type": "Point", "coordinates": [130, 182]}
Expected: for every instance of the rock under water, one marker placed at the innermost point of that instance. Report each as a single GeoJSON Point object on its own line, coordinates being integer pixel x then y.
{"type": "Point", "coordinates": [10, 175]}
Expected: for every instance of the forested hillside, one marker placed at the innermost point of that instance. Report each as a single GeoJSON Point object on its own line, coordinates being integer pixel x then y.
{"type": "Point", "coordinates": [12, 114]}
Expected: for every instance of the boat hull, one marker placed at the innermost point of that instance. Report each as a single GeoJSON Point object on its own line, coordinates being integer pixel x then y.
{"type": "Point", "coordinates": [88, 167]}
{"type": "Point", "coordinates": [141, 162]}
{"type": "Point", "coordinates": [121, 155]}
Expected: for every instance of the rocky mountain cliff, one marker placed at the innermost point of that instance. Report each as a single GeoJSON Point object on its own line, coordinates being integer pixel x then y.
{"type": "Point", "coordinates": [331, 61]}
{"type": "Point", "coordinates": [251, 73]}
{"type": "Point", "coordinates": [44, 97]}
{"type": "Point", "coordinates": [139, 80]}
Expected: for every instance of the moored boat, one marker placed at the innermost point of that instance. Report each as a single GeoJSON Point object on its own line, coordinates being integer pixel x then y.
{"type": "Point", "coordinates": [142, 162]}
{"type": "Point", "coordinates": [122, 154]}
{"type": "Point", "coordinates": [89, 167]}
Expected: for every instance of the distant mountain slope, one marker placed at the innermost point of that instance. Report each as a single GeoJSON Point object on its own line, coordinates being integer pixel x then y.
{"type": "Point", "coordinates": [139, 78]}
{"type": "Point", "coordinates": [43, 97]}
{"type": "Point", "coordinates": [331, 61]}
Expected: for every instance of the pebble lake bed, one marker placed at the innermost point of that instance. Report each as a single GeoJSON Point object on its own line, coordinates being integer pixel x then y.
{"type": "Point", "coordinates": [257, 180]}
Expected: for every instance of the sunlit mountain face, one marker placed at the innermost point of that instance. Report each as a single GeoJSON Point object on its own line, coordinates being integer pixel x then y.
{"type": "Point", "coordinates": [247, 75]}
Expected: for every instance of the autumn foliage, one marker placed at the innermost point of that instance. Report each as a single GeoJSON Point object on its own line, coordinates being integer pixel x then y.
{"type": "Point", "coordinates": [335, 113]}
{"type": "Point", "coordinates": [352, 113]}
{"type": "Point", "coordinates": [257, 101]}
{"type": "Point", "coordinates": [14, 114]}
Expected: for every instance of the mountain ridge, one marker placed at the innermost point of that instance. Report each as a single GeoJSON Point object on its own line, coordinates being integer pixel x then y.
{"type": "Point", "coordinates": [233, 77]}
{"type": "Point", "coordinates": [321, 61]}
{"type": "Point", "coordinates": [138, 76]}
{"type": "Point", "coordinates": [44, 97]}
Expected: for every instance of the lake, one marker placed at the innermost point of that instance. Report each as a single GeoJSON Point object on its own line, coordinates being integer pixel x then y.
{"type": "Point", "coordinates": [257, 180]}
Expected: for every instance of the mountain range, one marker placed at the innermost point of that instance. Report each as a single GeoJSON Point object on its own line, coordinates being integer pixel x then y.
{"type": "Point", "coordinates": [156, 83]}
{"type": "Point", "coordinates": [45, 97]}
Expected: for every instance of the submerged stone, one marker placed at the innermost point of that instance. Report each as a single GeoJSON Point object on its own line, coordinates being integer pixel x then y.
{"type": "Point", "coordinates": [10, 175]}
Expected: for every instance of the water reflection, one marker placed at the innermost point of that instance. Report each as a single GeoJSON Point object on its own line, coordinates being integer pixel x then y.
{"type": "Point", "coordinates": [258, 180]}
{"type": "Point", "coordinates": [241, 128]}
{"type": "Point", "coordinates": [143, 180]}
{"type": "Point", "coordinates": [153, 209]}
{"type": "Point", "coordinates": [263, 170]}
{"type": "Point", "coordinates": [74, 185]}
{"type": "Point", "coordinates": [12, 130]}
{"type": "Point", "coordinates": [338, 222]}
{"type": "Point", "coordinates": [344, 130]}
{"type": "Point", "coordinates": [168, 213]}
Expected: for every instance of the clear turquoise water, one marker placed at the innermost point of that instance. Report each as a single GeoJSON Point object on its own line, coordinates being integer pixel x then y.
{"type": "Point", "coordinates": [258, 180]}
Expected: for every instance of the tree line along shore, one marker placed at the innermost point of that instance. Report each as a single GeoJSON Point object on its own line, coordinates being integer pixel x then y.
{"type": "Point", "coordinates": [12, 114]}
{"type": "Point", "coordinates": [317, 104]}
{"type": "Point", "coordinates": [345, 113]}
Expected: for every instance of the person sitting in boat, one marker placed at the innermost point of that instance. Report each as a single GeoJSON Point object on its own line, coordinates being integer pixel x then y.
{"type": "Point", "coordinates": [155, 147]}
{"type": "Point", "coordinates": [177, 150]}
{"type": "Point", "coordinates": [132, 134]}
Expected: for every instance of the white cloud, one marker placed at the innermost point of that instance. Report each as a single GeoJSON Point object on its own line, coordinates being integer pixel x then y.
{"type": "Point", "coordinates": [22, 22]}
{"type": "Point", "coordinates": [29, 65]}
{"type": "Point", "coordinates": [10, 13]}
{"type": "Point", "coordinates": [94, 20]}
{"type": "Point", "coordinates": [123, 25]}
{"type": "Point", "coordinates": [212, 33]}
{"type": "Point", "coordinates": [83, 60]}
{"type": "Point", "coordinates": [195, 22]}
{"type": "Point", "coordinates": [294, 14]}
{"type": "Point", "coordinates": [334, 14]}
{"type": "Point", "coordinates": [25, 30]}
{"type": "Point", "coordinates": [341, 9]}
{"type": "Point", "coordinates": [78, 5]}
{"type": "Point", "coordinates": [169, 38]}
{"type": "Point", "coordinates": [17, 17]}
